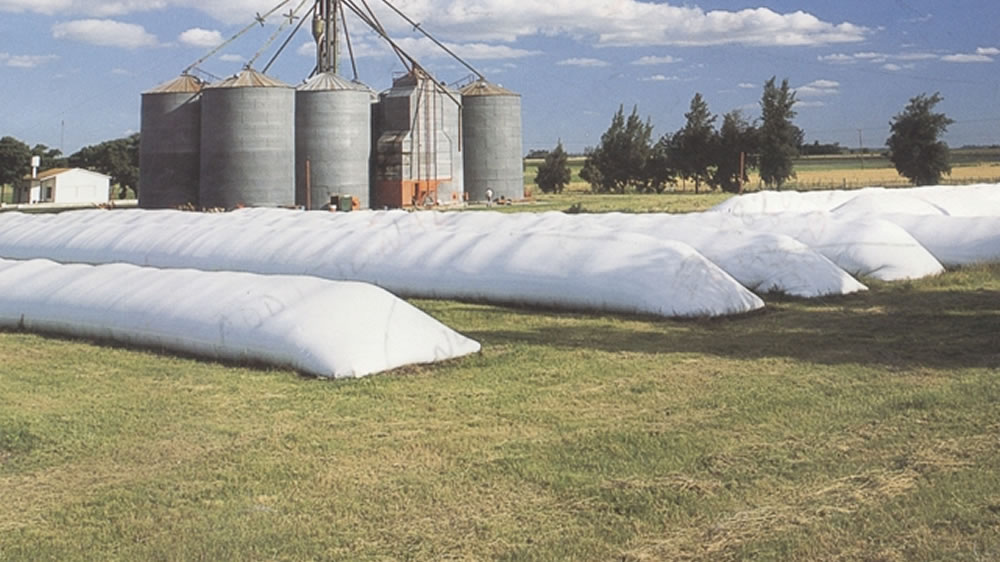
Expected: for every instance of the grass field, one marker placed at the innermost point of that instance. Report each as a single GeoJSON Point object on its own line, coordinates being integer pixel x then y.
{"type": "Point", "coordinates": [863, 427]}
{"type": "Point", "coordinates": [981, 165]}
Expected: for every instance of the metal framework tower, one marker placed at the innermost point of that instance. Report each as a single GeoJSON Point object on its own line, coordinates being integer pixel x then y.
{"type": "Point", "coordinates": [325, 32]}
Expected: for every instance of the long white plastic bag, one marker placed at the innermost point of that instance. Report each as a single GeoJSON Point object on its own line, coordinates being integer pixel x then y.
{"type": "Point", "coordinates": [321, 327]}
{"type": "Point", "coordinates": [618, 272]}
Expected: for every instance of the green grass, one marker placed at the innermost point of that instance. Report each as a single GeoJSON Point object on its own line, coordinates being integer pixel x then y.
{"type": "Point", "coordinates": [679, 202]}
{"type": "Point", "coordinates": [853, 428]}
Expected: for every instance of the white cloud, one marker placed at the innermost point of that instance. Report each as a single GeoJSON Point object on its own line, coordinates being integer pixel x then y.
{"type": "Point", "coordinates": [659, 78]}
{"type": "Point", "coordinates": [837, 58]}
{"type": "Point", "coordinates": [747, 86]}
{"type": "Point", "coordinates": [799, 104]}
{"type": "Point", "coordinates": [423, 48]}
{"type": "Point", "coordinates": [619, 23]}
{"type": "Point", "coordinates": [988, 51]}
{"type": "Point", "coordinates": [963, 58]}
{"type": "Point", "coordinates": [232, 58]}
{"type": "Point", "coordinates": [653, 60]}
{"type": "Point", "coordinates": [819, 88]}
{"type": "Point", "coordinates": [120, 72]}
{"type": "Point", "coordinates": [26, 61]}
{"type": "Point", "coordinates": [914, 56]}
{"type": "Point", "coordinates": [198, 37]}
{"type": "Point", "coordinates": [875, 58]}
{"type": "Point", "coordinates": [106, 33]}
{"type": "Point", "coordinates": [583, 62]}
{"type": "Point", "coordinates": [100, 8]}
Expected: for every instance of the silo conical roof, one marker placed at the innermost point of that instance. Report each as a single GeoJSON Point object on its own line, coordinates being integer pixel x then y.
{"type": "Point", "coordinates": [183, 84]}
{"type": "Point", "coordinates": [250, 78]}
{"type": "Point", "coordinates": [484, 88]}
{"type": "Point", "coordinates": [328, 81]}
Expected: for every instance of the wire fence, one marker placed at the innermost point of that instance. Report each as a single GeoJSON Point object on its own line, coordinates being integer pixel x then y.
{"type": "Point", "coordinates": [846, 183]}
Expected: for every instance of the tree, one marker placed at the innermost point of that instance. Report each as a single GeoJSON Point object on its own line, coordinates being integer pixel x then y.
{"type": "Point", "coordinates": [15, 160]}
{"type": "Point", "coordinates": [117, 158]}
{"type": "Point", "coordinates": [913, 143]}
{"type": "Point", "coordinates": [738, 139]}
{"type": "Point", "coordinates": [695, 144]}
{"type": "Point", "coordinates": [619, 161]}
{"type": "Point", "coordinates": [51, 157]}
{"type": "Point", "coordinates": [660, 169]}
{"type": "Point", "coordinates": [779, 137]}
{"type": "Point", "coordinates": [554, 174]}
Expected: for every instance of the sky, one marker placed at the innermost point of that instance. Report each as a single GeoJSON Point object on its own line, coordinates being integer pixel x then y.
{"type": "Point", "coordinates": [72, 71]}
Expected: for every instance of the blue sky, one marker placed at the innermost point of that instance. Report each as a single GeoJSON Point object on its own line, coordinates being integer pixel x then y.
{"type": "Point", "coordinates": [72, 70]}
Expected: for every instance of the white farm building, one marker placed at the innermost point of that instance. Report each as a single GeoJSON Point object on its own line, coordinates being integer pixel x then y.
{"type": "Point", "coordinates": [65, 185]}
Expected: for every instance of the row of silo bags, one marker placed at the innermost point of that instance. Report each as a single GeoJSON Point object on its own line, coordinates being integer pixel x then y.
{"type": "Point", "coordinates": [957, 225]}
{"type": "Point", "coordinates": [285, 307]}
{"type": "Point", "coordinates": [602, 271]}
{"type": "Point", "coordinates": [667, 265]}
{"type": "Point", "coordinates": [316, 326]}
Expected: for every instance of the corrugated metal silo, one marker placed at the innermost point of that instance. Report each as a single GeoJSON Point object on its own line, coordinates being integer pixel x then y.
{"type": "Point", "coordinates": [248, 142]}
{"type": "Point", "coordinates": [169, 153]}
{"type": "Point", "coordinates": [491, 127]}
{"type": "Point", "coordinates": [419, 151]}
{"type": "Point", "coordinates": [332, 133]}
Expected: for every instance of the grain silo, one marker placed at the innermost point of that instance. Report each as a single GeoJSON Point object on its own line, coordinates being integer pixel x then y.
{"type": "Point", "coordinates": [169, 153]}
{"type": "Point", "coordinates": [248, 142]}
{"type": "Point", "coordinates": [419, 151]}
{"type": "Point", "coordinates": [332, 140]}
{"type": "Point", "coordinates": [491, 129]}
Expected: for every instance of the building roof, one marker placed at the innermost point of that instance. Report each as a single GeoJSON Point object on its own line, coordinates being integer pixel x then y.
{"type": "Point", "coordinates": [484, 88]}
{"type": "Point", "coordinates": [249, 78]}
{"type": "Point", "coordinates": [328, 81]}
{"type": "Point", "coordinates": [183, 84]}
{"type": "Point", "coordinates": [58, 171]}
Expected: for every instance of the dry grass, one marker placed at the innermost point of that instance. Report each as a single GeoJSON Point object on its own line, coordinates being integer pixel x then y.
{"type": "Point", "coordinates": [854, 428]}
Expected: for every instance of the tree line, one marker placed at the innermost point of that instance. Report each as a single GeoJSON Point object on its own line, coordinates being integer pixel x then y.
{"type": "Point", "coordinates": [118, 158]}
{"type": "Point", "coordinates": [628, 159]}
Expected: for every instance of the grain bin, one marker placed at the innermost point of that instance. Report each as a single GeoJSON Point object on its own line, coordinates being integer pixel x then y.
{"type": "Point", "coordinates": [169, 153]}
{"type": "Point", "coordinates": [332, 140]}
{"type": "Point", "coordinates": [419, 150]}
{"type": "Point", "coordinates": [248, 142]}
{"type": "Point", "coordinates": [491, 127]}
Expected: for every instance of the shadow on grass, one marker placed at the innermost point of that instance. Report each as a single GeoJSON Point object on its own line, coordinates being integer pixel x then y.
{"type": "Point", "coordinates": [894, 327]}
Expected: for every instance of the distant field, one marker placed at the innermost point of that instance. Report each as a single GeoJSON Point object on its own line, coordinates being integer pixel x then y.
{"type": "Point", "coordinates": [837, 172]}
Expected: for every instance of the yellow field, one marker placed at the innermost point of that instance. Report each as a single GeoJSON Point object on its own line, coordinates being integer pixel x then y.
{"type": "Point", "coordinates": [814, 175]}
{"type": "Point", "coordinates": [855, 178]}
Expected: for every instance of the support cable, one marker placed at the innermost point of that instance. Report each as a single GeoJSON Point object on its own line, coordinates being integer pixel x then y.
{"type": "Point", "coordinates": [350, 48]}
{"type": "Point", "coordinates": [291, 16]}
{"type": "Point", "coordinates": [372, 20]}
{"type": "Point", "coordinates": [289, 40]}
{"type": "Point", "coordinates": [443, 47]}
{"type": "Point", "coordinates": [408, 61]}
{"type": "Point", "coordinates": [259, 19]}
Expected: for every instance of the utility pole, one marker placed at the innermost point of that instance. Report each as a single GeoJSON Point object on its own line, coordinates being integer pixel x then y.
{"type": "Point", "coordinates": [861, 148]}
